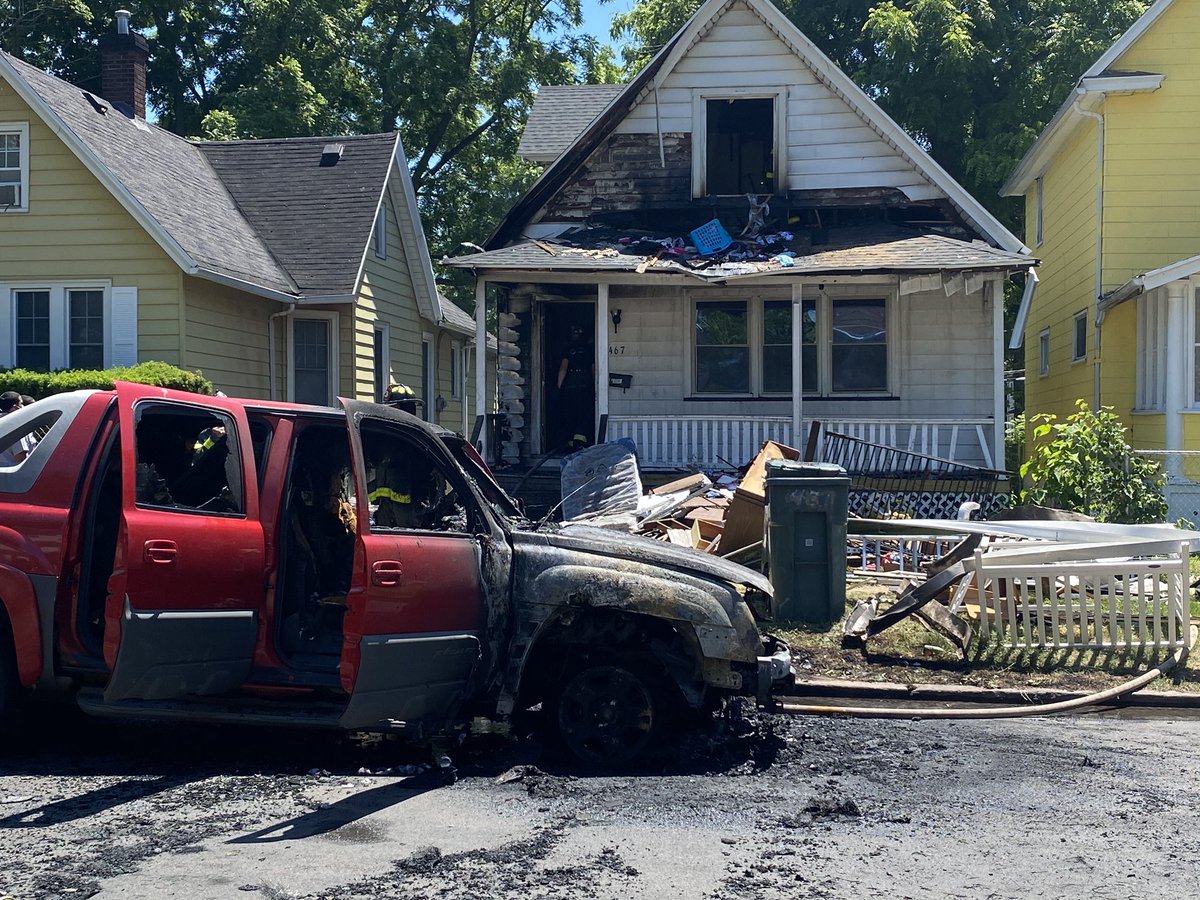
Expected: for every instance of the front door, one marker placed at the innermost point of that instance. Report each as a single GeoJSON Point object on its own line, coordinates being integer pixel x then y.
{"type": "Point", "coordinates": [414, 630]}
{"type": "Point", "coordinates": [188, 583]}
{"type": "Point", "coordinates": [569, 377]}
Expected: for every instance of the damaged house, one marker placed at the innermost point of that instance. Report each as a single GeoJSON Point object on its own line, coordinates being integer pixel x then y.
{"type": "Point", "coordinates": [733, 246]}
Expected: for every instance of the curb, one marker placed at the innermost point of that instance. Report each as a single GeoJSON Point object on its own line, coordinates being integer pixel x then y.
{"type": "Point", "coordinates": [867, 690]}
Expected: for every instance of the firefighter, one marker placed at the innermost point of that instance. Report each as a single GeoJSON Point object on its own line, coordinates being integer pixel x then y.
{"type": "Point", "coordinates": [403, 398]}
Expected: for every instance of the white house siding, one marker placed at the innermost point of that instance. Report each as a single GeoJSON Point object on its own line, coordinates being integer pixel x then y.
{"type": "Point", "coordinates": [829, 145]}
{"type": "Point", "coordinates": [945, 368]}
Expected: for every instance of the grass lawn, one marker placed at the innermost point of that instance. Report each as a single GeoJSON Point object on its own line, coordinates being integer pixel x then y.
{"type": "Point", "coordinates": [909, 653]}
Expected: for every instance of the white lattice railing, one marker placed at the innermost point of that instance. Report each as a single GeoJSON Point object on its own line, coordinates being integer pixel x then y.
{"type": "Point", "coordinates": [668, 442]}
{"type": "Point", "coordinates": [1056, 596]}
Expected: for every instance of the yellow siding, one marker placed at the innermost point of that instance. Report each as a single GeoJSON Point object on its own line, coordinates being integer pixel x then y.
{"type": "Point", "coordinates": [1148, 432]}
{"type": "Point", "coordinates": [1152, 148]}
{"type": "Point", "coordinates": [1067, 273]}
{"type": "Point", "coordinates": [1118, 365]}
{"type": "Point", "coordinates": [76, 230]}
{"type": "Point", "coordinates": [228, 339]}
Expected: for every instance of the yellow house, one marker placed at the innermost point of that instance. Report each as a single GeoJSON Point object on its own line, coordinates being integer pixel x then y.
{"type": "Point", "coordinates": [1112, 198]}
{"type": "Point", "coordinates": [286, 269]}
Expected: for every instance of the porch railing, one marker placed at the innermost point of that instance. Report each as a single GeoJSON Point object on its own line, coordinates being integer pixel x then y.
{"type": "Point", "coordinates": [715, 442]}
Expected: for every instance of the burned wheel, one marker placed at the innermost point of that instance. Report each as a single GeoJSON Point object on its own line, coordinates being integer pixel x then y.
{"type": "Point", "coordinates": [610, 715]}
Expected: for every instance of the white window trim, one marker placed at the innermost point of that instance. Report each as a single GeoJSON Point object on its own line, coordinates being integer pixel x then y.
{"type": "Point", "coordinates": [60, 319]}
{"type": "Point", "coordinates": [1151, 387]}
{"type": "Point", "coordinates": [1044, 353]}
{"type": "Point", "coordinates": [385, 363]}
{"type": "Point", "coordinates": [429, 379]}
{"type": "Point", "coordinates": [456, 370]}
{"type": "Point", "coordinates": [334, 363]}
{"type": "Point", "coordinates": [700, 98]}
{"type": "Point", "coordinates": [755, 323]}
{"type": "Point", "coordinates": [380, 233]}
{"type": "Point", "coordinates": [1039, 216]}
{"type": "Point", "coordinates": [1193, 344]}
{"type": "Point", "coordinates": [1076, 355]}
{"type": "Point", "coordinates": [22, 129]}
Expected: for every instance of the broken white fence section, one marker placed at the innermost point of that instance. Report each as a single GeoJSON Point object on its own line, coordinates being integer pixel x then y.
{"type": "Point", "coordinates": [1106, 595]}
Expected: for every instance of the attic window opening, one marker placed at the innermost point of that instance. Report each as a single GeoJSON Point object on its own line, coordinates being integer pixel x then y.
{"type": "Point", "coordinates": [740, 141]}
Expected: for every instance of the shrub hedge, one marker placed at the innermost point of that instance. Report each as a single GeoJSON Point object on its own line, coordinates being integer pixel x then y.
{"type": "Point", "coordinates": [159, 374]}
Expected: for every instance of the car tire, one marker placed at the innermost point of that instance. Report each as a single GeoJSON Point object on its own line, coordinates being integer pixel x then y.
{"type": "Point", "coordinates": [611, 713]}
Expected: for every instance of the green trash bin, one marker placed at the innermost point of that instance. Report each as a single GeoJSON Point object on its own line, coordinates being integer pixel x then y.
{"type": "Point", "coordinates": [807, 508]}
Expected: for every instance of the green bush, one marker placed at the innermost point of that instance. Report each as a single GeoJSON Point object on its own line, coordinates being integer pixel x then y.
{"type": "Point", "coordinates": [159, 374]}
{"type": "Point", "coordinates": [1084, 464]}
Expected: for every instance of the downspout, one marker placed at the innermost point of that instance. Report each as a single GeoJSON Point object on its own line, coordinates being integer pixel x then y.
{"type": "Point", "coordinates": [271, 347]}
{"type": "Point", "coordinates": [1099, 118]}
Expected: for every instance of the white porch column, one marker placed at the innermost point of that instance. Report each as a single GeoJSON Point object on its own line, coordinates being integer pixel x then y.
{"type": "Point", "coordinates": [1179, 338]}
{"type": "Point", "coordinates": [601, 355]}
{"type": "Point", "coordinates": [999, 412]}
{"type": "Point", "coordinates": [797, 365]}
{"type": "Point", "coordinates": [481, 359]}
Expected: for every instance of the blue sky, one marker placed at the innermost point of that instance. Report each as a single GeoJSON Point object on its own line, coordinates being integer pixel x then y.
{"type": "Point", "coordinates": [597, 16]}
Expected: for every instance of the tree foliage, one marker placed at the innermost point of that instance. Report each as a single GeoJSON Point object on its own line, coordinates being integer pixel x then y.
{"type": "Point", "coordinates": [1084, 463]}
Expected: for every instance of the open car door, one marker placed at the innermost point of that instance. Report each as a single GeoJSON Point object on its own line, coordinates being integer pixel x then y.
{"type": "Point", "coordinates": [188, 582]}
{"type": "Point", "coordinates": [414, 630]}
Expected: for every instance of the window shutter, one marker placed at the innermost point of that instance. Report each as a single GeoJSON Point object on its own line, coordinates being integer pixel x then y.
{"type": "Point", "coordinates": [124, 326]}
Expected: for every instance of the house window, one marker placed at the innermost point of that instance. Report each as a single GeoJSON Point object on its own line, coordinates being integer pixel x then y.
{"type": "Point", "coordinates": [1044, 353]}
{"type": "Point", "coordinates": [859, 346]}
{"type": "Point", "coordinates": [456, 371]}
{"type": "Point", "coordinates": [380, 364]}
{"type": "Point", "coordinates": [777, 347]}
{"type": "Point", "coordinates": [740, 142]}
{"type": "Point", "coordinates": [1151, 352]}
{"type": "Point", "coordinates": [1040, 188]}
{"type": "Point", "coordinates": [33, 330]}
{"type": "Point", "coordinates": [85, 328]}
{"type": "Point", "coordinates": [14, 167]}
{"type": "Point", "coordinates": [722, 348]}
{"type": "Point", "coordinates": [1196, 346]}
{"type": "Point", "coordinates": [1079, 329]}
{"type": "Point", "coordinates": [381, 232]}
{"type": "Point", "coordinates": [314, 358]}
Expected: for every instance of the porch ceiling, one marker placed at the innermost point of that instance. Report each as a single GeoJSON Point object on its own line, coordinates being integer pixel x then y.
{"type": "Point", "coordinates": [847, 251]}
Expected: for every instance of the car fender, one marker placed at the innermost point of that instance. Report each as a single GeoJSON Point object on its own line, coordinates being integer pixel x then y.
{"type": "Point", "coordinates": [721, 623]}
{"type": "Point", "coordinates": [19, 598]}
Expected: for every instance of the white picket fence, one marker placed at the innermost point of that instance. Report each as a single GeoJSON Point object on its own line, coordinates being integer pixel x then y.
{"type": "Point", "coordinates": [1052, 596]}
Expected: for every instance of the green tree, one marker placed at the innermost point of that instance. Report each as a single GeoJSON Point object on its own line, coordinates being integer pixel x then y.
{"type": "Point", "coordinates": [1084, 463]}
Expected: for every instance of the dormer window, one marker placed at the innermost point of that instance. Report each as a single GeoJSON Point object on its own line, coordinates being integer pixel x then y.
{"type": "Point", "coordinates": [737, 145]}
{"type": "Point", "coordinates": [14, 167]}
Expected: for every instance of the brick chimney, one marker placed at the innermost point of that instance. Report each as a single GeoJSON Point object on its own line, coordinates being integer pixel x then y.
{"type": "Point", "coordinates": [123, 67]}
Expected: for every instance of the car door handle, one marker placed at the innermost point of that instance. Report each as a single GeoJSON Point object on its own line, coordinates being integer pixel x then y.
{"type": "Point", "coordinates": [386, 572]}
{"type": "Point", "coordinates": [160, 552]}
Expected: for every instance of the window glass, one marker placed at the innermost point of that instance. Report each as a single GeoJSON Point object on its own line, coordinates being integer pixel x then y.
{"type": "Point", "coordinates": [740, 141]}
{"type": "Point", "coordinates": [722, 348]}
{"type": "Point", "coordinates": [777, 347]}
{"type": "Point", "coordinates": [33, 330]}
{"type": "Point", "coordinates": [860, 361]}
{"type": "Point", "coordinates": [808, 348]}
{"type": "Point", "coordinates": [1079, 350]}
{"type": "Point", "coordinates": [188, 460]}
{"type": "Point", "coordinates": [86, 329]}
{"type": "Point", "coordinates": [406, 488]}
{"type": "Point", "coordinates": [10, 168]}
{"type": "Point", "coordinates": [381, 232]}
{"type": "Point", "coordinates": [1044, 353]}
{"type": "Point", "coordinates": [311, 346]}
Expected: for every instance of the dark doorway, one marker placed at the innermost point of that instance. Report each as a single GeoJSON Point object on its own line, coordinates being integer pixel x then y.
{"type": "Point", "coordinates": [569, 375]}
{"type": "Point", "coordinates": [741, 140]}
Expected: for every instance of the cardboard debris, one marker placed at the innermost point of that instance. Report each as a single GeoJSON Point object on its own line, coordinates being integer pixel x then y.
{"type": "Point", "coordinates": [723, 515]}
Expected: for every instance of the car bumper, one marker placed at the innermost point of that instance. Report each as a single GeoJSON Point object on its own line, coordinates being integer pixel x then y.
{"type": "Point", "coordinates": [774, 667]}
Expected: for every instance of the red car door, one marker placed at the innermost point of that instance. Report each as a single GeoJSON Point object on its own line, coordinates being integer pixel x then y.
{"type": "Point", "coordinates": [188, 586]}
{"type": "Point", "coordinates": [415, 630]}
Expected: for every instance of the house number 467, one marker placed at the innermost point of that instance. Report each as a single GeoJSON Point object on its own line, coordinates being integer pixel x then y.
{"type": "Point", "coordinates": [616, 350]}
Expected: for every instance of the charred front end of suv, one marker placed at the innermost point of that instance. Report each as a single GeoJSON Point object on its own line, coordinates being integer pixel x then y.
{"type": "Point", "coordinates": [584, 595]}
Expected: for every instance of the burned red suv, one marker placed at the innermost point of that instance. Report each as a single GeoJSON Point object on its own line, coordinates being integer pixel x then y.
{"type": "Point", "coordinates": [173, 555]}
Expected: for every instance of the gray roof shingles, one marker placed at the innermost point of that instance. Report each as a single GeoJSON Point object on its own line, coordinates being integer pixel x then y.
{"type": "Point", "coordinates": [169, 177]}
{"type": "Point", "coordinates": [560, 114]}
{"type": "Point", "coordinates": [263, 212]}
{"type": "Point", "coordinates": [315, 219]}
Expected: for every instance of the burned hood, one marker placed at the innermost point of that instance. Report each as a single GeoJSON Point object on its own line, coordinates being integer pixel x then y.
{"type": "Point", "coordinates": [616, 545]}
